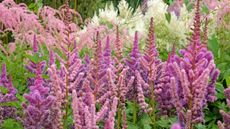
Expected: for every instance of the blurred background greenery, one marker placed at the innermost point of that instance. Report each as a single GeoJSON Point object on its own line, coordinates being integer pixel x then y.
{"type": "Point", "coordinates": [85, 7]}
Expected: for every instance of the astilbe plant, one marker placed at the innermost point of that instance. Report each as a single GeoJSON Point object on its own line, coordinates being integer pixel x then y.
{"type": "Point", "coordinates": [69, 76]}
{"type": "Point", "coordinates": [49, 24]}
{"type": "Point", "coordinates": [136, 84]}
{"type": "Point", "coordinates": [157, 80]}
{"type": "Point", "coordinates": [6, 96]}
{"type": "Point", "coordinates": [193, 78]}
{"type": "Point", "coordinates": [226, 115]}
{"type": "Point", "coordinates": [100, 87]}
{"type": "Point", "coordinates": [37, 109]}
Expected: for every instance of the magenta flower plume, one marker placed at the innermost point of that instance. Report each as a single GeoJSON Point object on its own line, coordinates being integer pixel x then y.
{"type": "Point", "coordinates": [157, 77]}
{"type": "Point", "coordinates": [135, 77]}
{"type": "Point", "coordinates": [84, 109]}
{"type": "Point", "coordinates": [134, 56]}
{"type": "Point", "coordinates": [190, 85]}
{"type": "Point", "coordinates": [8, 96]}
{"type": "Point", "coordinates": [35, 45]}
{"type": "Point", "coordinates": [38, 110]}
{"type": "Point", "coordinates": [118, 45]}
{"type": "Point", "coordinates": [107, 54]}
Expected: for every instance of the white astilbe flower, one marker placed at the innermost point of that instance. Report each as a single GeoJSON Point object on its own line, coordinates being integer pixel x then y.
{"type": "Point", "coordinates": [180, 26]}
{"type": "Point", "coordinates": [174, 32]}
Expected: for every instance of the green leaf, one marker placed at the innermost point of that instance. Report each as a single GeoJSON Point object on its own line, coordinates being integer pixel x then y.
{"type": "Point", "coordinates": [168, 17]}
{"type": "Point", "coordinates": [11, 124]}
{"type": "Point", "coordinates": [3, 90]}
{"type": "Point", "coordinates": [213, 45]}
{"type": "Point", "coordinates": [132, 126]}
{"type": "Point", "coordinates": [205, 9]}
{"type": "Point", "coordinates": [145, 122]}
{"type": "Point", "coordinates": [166, 122]}
{"type": "Point", "coordinates": [200, 126]}
{"type": "Point", "coordinates": [220, 91]}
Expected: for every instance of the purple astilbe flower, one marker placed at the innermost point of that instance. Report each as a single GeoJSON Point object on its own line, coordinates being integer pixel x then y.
{"type": "Point", "coordinates": [136, 77]}
{"type": "Point", "coordinates": [225, 115]}
{"type": "Point", "coordinates": [9, 96]}
{"type": "Point", "coordinates": [190, 85]}
{"type": "Point", "coordinates": [70, 75]}
{"type": "Point", "coordinates": [111, 118]}
{"type": "Point", "coordinates": [38, 110]}
{"type": "Point", "coordinates": [63, 81]}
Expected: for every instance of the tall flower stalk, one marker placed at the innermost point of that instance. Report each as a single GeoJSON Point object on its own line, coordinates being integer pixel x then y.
{"type": "Point", "coordinates": [190, 75]}
{"type": "Point", "coordinates": [6, 96]}
{"type": "Point", "coordinates": [37, 111]}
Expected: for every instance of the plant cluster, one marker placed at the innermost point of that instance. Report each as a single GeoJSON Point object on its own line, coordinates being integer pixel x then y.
{"type": "Point", "coordinates": [88, 79]}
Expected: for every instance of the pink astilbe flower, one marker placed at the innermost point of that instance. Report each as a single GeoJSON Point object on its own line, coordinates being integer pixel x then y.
{"type": "Point", "coordinates": [190, 75]}
{"type": "Point", "coordinates": [225, 115]}
{"type": "Point", "coordinates": [18, 19]}
{"type": "Point", "coordinates": [70, 75]}
{"type": "Point", "coordinates": [56, 90]}
{"type": "Point", "coordinates": [158, 79]}
{"type": "Point", "coordinates": [84, 109]}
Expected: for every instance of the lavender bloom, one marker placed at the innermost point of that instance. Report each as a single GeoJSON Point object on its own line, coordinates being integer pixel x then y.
{"type": "Point", "coordinates": [136, 76]}
{"type": "Point", "coordinates": [107, 54]}
{"type": "Point", "coordinates": [37, 112]}
{"type": "Point", "coordinates": [11, 91]}
{"type": "Point", "coordinates": [56, 90]}
{"type": "Point", "coordinates": [84, 110]}
{"type": "Point", "coordinates": [225, 115]}
{"type": "Point", "coordinates": [190, 75]}
{"type": "Point", "coordinates": [158, 79]}
{"type": "Point", "coordinates": [9, 96]}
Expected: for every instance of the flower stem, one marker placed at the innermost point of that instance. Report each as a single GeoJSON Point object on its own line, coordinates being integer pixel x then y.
{"type": "Point", "coordinates": [119, 117]}
{"type": "Point", "coordinates": [75, 5]}
{"type": "Point", "coordinates": [135, 113]}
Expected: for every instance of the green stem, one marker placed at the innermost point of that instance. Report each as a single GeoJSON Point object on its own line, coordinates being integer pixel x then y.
{"type": "Point", "coordinates": [135, 113]}
{"type": "Point", "coordinates": [75, 5]}
{"type": "Point", "coordinates": [152, 103]}
{"type": "Point", "coordinates": [54, 3]}
{"type": "Point", "coordinates": [119, 118]}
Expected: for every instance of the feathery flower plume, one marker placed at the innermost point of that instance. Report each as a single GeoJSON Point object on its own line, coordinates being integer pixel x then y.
{"type": "Point", "coordinates": [118, 46]}
{"type": "Point", "coordinates": [190, 75]}
{"type": "Point", "coordinates": [136, 77]}
{"type": "Point", "coordinates": [38, 110]}
{"type": "Point", "coordinates": [8, 96]}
